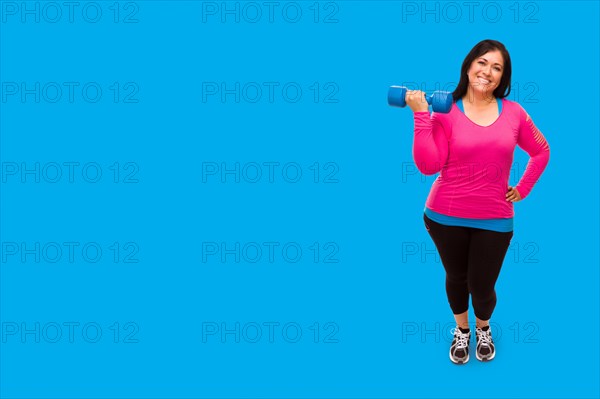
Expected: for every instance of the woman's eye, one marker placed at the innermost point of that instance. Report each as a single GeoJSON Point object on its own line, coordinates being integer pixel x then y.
{"type": "Point", "coordinates": [481, 62]}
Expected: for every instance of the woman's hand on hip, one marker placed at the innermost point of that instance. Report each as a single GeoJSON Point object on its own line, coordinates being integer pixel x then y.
{"type": "Point", "coordinates": [513, 195]}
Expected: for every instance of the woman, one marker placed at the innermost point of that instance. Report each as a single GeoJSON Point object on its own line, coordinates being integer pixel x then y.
{"type": "Point", "coordinates": [469, 211]}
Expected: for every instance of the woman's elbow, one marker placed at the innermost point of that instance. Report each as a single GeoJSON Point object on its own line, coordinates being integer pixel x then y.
{"type": "Point", "coordinates": [546, 153]}
{"type": "Point", "coordinates": [428, 168]}
{"type": "Point", "coordinates": [427, 163]}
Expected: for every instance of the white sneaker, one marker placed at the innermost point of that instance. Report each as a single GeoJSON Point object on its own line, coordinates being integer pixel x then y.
{"type": "Point", "coordinates": [485, 345]}
{"type": "Point", "coordinates": [459, 350]}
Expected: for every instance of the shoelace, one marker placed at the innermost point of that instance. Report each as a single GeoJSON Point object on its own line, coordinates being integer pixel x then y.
{"type": "Point", "coordinates": [485, 337]}
{"type": "Point", "coordinates": [462, 338]}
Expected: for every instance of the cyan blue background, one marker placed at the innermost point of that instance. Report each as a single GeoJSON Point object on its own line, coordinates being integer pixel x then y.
{"type": "Point", "coordinates": [369, 213]}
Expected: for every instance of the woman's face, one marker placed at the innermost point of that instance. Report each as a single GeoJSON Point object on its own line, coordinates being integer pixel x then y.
{"type": "Point", "coordinates": [485, 73]}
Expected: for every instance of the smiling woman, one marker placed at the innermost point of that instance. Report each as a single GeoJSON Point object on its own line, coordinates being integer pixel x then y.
{"type": "Point", "coordinates": [486, 81]}
{"type": "Point", "coordinates": [469, 216]}
{"type": "Point", "coordinates": [485, 72]}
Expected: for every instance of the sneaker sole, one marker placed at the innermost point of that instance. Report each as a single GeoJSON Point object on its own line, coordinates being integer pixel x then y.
{"type": "Point", "coordinates": [486, 358]}
{"type": "Point", "coordinates": [459, 362]}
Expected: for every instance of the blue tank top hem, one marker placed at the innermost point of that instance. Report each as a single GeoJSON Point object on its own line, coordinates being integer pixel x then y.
{"type": "Point", "coordinates": [503, 225]}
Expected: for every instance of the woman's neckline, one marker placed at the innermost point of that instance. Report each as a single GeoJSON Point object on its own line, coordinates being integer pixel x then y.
{"type": "Point", "coordinates": [478, 125]}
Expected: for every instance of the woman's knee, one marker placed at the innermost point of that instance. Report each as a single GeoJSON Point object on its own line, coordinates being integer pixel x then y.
{"type": "Point", "coordinates": [481, 292]}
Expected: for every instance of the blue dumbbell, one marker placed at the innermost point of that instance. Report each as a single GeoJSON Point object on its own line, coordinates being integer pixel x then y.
{"type": "Point", "coordinates": [440, 101]}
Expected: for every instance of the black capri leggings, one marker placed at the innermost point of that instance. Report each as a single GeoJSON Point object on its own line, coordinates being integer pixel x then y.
{"type": "Point", "coordinates": [472, 258]}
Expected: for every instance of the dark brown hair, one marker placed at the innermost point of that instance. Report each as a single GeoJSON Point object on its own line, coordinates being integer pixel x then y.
{"type": "Point", "coordinates": [503, 89]}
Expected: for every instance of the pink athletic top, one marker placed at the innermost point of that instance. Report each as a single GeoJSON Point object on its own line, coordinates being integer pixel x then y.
{"type": "Point", "coordinates": [475, 160]}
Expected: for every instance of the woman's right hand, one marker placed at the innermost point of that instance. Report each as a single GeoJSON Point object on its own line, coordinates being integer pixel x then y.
{"type": "Point", "coordinates": [415, 99]}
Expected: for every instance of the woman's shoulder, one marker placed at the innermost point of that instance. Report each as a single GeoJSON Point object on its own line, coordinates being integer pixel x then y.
{"type": "Point", "coordinates": [515, 110]}
{"type": "Point", "coordinates": [512, 105]}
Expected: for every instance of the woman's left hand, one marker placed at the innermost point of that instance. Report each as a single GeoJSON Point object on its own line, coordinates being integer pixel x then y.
{"type": "Point", "coordinates": [513, 195]}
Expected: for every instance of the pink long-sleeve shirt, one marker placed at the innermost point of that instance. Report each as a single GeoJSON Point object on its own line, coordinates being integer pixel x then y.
{"type": "Point", "coordinates": [474, 161]}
